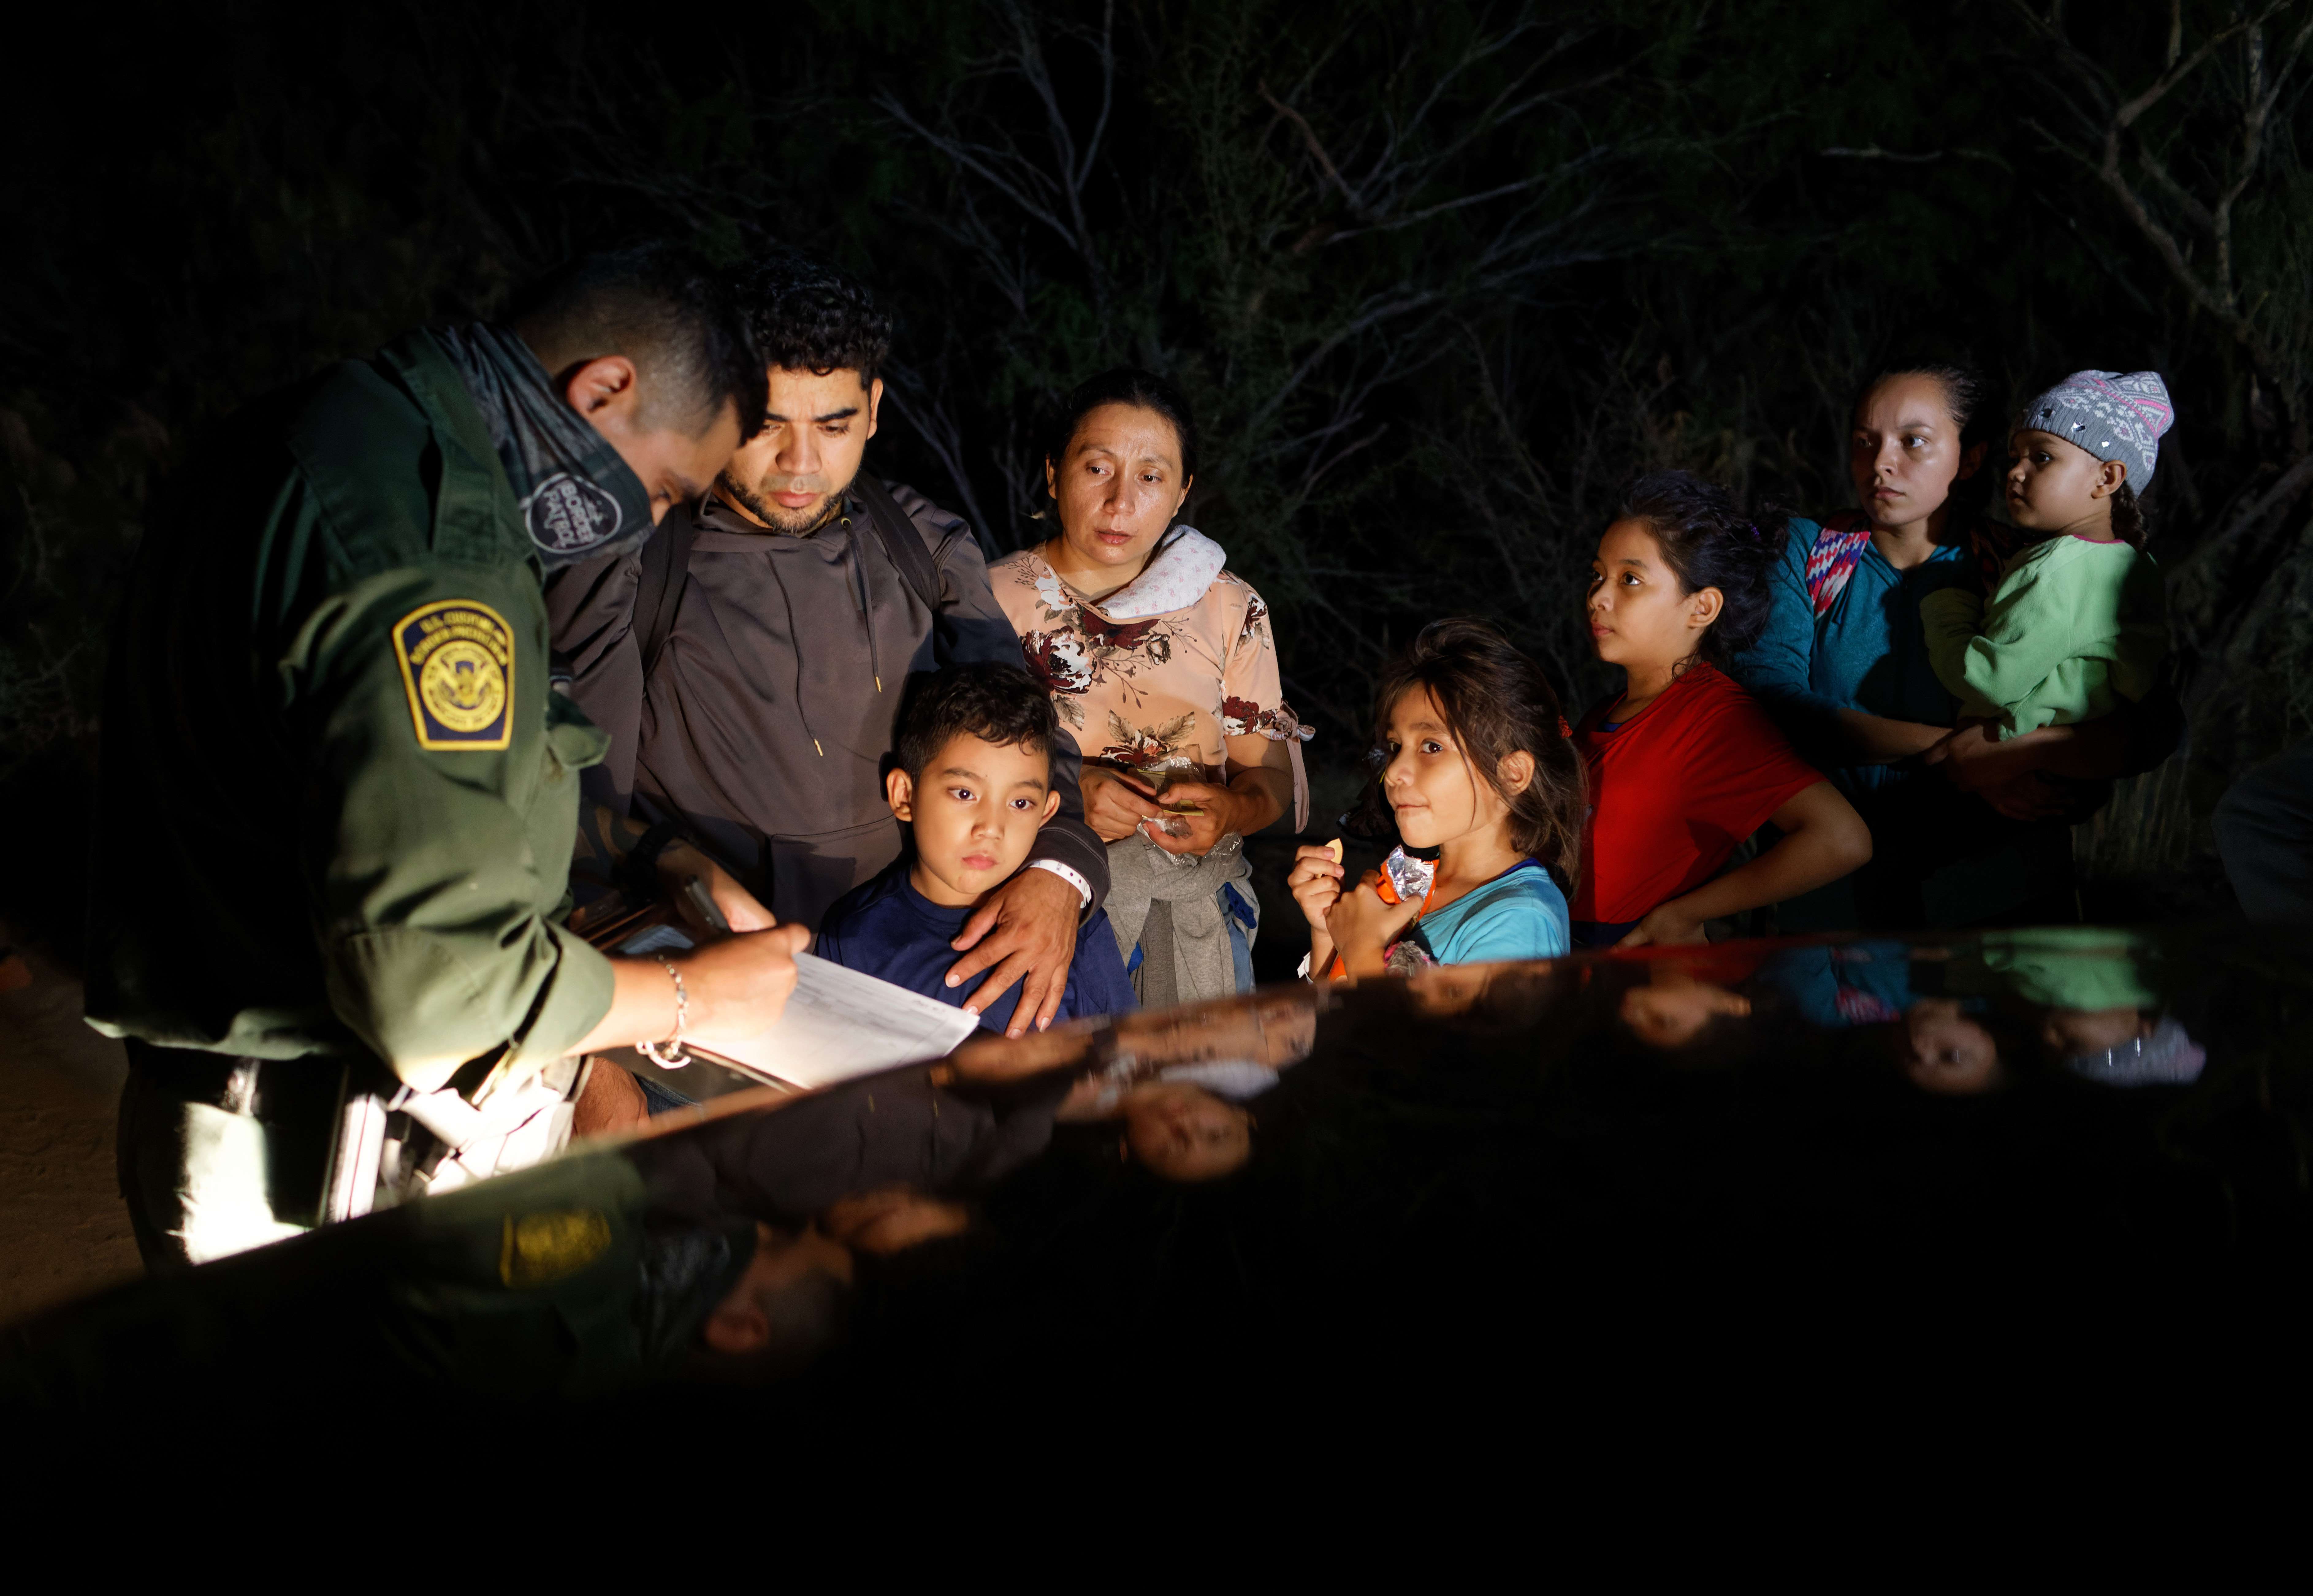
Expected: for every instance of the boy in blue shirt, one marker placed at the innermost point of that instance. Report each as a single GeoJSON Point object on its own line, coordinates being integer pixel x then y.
{"type": "Point", "coordinates": [972, 785]}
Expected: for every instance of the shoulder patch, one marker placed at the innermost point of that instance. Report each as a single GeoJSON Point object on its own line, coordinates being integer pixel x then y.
{"type": "Point", "coordinates": [457, 662]}
{"type": "Point", "coordinates": [541, 1249]}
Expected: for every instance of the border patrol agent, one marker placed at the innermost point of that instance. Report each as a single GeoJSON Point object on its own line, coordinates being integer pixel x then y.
{"type": "Point", "coordinates": [338, 798]}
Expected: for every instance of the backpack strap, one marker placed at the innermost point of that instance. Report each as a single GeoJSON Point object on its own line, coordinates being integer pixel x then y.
{"type": "Point", "coordinates": [665, 569]}
{"type": "Point", "coordinates": [901, 541]}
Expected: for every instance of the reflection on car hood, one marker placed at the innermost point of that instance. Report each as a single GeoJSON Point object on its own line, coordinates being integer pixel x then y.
{"type": "Point", "coordinates": [1499, 1173]}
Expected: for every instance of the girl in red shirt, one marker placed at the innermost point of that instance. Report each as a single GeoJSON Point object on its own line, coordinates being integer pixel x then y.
{"type": "Point", "coordinates": [1682, 765]}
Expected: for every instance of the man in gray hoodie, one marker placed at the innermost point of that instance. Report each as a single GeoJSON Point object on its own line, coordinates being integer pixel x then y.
{"type": "Point", "coordinates": [749, 662]}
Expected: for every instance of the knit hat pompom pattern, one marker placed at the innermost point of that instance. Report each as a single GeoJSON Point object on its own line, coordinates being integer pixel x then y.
{"type": "Point", "coordinates": [2113, 415]}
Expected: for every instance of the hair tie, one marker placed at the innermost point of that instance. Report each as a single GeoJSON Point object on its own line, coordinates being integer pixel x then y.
{"type": "Point", "coordinates": [1564, 729]}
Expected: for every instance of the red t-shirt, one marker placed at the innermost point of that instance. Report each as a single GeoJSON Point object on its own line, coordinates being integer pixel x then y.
{"type": "Point", "coordinates": [1674, 791]}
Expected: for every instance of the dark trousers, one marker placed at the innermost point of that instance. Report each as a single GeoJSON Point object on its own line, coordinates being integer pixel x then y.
{"type": "Point", "coordinates": [2264, 831]}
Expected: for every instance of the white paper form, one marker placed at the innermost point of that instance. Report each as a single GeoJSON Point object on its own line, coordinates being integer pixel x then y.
{"type": "Point", "coordinates": [840, 1024]}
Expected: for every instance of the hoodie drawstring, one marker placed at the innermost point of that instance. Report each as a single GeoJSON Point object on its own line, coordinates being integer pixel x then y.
{"type": "Point", "coordinates": [859, 591]}
{"type": "Point", "coordinates": [802, 713]}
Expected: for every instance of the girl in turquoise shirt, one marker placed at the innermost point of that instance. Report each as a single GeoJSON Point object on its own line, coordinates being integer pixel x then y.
{"type": "Point", "coordinates": [1479, 765]}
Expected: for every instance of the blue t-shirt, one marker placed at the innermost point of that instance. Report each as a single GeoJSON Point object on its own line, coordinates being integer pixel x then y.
{"type": "Point", "coordinates": [1520, 914]}
{"type": "Point", "coordinates": [1867, 651]}
{"type": "Point", "coordinates": [887, 929]}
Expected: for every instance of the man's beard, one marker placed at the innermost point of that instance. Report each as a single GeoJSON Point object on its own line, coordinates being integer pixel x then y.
{"type": "Point", "coordinates": [757, 501]}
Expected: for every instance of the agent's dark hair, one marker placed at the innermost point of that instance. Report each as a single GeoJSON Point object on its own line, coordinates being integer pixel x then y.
{"type": "Point", "coordinates": [998, 703]}
{"type": "Point", "coordinates": [1497, 702]}
{"type": "Point", "coordinates": [1967, 400]}
{"type": "Point", "coordinates": [1125, 385]}
{"type": "Point", "coordinates": [662, 307]}
{"type": "Point", "coordinates": [1707, 541]}
{"type": "Point", "coordinates": [808, 316]}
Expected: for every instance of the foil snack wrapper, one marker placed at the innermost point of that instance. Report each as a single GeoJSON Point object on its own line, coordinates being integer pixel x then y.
{"type": "Point", "coordinates": [1409, 878]}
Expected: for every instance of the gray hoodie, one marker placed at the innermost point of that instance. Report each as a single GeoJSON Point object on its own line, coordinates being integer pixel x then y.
{"type": "Point", "coordinates": [768, 723]}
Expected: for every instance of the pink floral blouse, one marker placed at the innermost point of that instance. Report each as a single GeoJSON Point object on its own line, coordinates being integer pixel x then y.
{"type": "Point", "coordinates": [1162, 694]}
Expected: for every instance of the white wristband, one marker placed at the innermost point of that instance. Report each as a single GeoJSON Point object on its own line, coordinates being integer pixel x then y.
{"type": "Point", "coordinates": [1083, 887]}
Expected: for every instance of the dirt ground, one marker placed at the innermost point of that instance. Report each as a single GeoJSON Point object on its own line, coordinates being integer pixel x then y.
{"type": "Point", "coordinates": [63, 1230]}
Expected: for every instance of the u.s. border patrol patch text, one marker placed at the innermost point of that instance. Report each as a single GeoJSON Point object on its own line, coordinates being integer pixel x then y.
{"type": "Point", "coordinates": [457, 662]}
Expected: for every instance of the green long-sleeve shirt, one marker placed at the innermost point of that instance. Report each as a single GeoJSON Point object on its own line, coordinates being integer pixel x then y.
{"type": "Point", "coordinates": [2073, 627]}
{"type": "Point", "coordinates": [339, 799]}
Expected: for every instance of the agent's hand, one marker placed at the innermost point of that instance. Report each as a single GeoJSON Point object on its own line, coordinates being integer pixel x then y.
{"type": "Point", "coordinates": [1113, 807]}
{"type": "Point", "coordinates": [739, 986]}
{"type": "Point", "coordinates": [1027, 930]}
{"type": "Point", "coordinates": [1669, 926]}
{"type": "Point", "coordinates": [1362, 925]}
{"type": "Point", "coordinates": [680, 862]}
{"type": "Point", "coordinates": [1196, 833]}
{"type": "Point", "coordinates": [1316, 882]}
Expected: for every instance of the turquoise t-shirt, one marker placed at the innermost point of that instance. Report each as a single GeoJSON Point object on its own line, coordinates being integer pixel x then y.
{"type": "Point", "coordinates": [1520, 914]}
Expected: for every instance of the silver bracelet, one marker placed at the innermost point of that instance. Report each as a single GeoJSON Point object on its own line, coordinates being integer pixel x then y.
{"type": "Point", "coordinates": [674, 1057]}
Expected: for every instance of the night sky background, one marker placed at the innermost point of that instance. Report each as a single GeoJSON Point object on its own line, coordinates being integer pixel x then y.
{"type": "Point", "coordinates": [1439, 278]}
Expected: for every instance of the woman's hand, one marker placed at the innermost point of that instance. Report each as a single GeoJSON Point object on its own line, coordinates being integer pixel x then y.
{"type": "Point", "coordinates": [1673, 924]}
{"type": "Point", "coordinates": [1973, 758]}
{"type": "Point", "coordinates": [1199, 834]}
{"type": "Point", "coordinates": [1112, 806]}
{"type": "Point", "coordinates": [1316, 882]}
{"type": "Point", "coordinates": [1362, 925]}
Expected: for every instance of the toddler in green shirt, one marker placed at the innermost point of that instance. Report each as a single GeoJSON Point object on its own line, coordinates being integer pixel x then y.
{"type": "Point", "coordinates": [2080, 621]}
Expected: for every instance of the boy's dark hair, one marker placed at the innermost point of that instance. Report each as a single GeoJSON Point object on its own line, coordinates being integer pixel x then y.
{"type": "Point", "coordinates": [808, 316]}
{"type": "Point", "coordinates": [1707, 541]}
{"type": "Point", "coordinates": [1967, 396]}
{"type": "Point", "coordinates": [1497, 702]}
{"type": "Point", "coordinates": [663, 308]}
{"type": "Point", "coordinates": [1125, 385]}
{"type": "Point", "coordinates": [998, 703]}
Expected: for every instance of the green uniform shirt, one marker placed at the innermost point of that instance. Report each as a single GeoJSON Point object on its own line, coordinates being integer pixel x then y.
{"type": "Point", "coordinates": [2073, 628]}
{"type": "Point", "coordinates": [338, 798]}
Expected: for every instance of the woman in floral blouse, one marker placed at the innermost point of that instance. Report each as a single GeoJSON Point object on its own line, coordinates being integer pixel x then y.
{"type": "Point", "coordinates": [1160, 661]}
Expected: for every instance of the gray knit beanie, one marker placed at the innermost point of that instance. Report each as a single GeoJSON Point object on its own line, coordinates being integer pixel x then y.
{"type": "Point", "coordinates": [2113, 415]}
